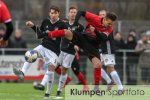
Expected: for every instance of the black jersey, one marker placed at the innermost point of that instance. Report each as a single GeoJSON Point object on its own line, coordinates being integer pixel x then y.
{"type": "Point", "coordinates": [52, 43]}
{"type": "Point", "coordinates": [68, 46]}
{"type": "Point", "coordinates": [107, 46]}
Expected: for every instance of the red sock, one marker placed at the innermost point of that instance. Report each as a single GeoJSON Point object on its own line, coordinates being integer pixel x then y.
{"type": "Point", "coordinates": [67, 81]}
{"type": "Point", "coordinates": [82, 78]}
{"type": "Point", "coordinates": [97, 75]}
{"type": "Point", "coordinates": [56, 33]}
{"type": "Point", "coordinates": [58, 70]}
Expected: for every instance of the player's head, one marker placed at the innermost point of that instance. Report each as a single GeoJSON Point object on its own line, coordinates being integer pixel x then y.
{"type": "Point", "coordinates": [109, 19]}
{"type": "Point", "coordinates": [102, 13]}
{"type": "Point", "coordinates": [54, 12]}
{"type": "Point", "coordinates": [72, 13]}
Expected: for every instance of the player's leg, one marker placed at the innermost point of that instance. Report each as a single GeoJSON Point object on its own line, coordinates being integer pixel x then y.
{"type": "Point", "coordinates": [76, 69]}
{"type": "Point", "coordinates": [50, 59]}
{"type": "Point", "coordinates": [57, 33]}
{"type": "Point", "coordinates": [21, 72]}
{"type": "Point", "coordinates": [66, 64]}
{"type": "Point", "coordinates": [105, 75]}
{"type": "Point", "coordinates": [110, 69]}
{"type": "Point", "coordinates": [115, 76]}
{"type": "Point", "coordinates": [58, 71]}
{"type": "Point", "coordinates": [93, 53]}
{"type": "Point", "coordinates": [97, 72]}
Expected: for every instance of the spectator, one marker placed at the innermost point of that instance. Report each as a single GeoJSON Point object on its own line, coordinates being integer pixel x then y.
{"type": "Point", "coordinates": [6, 19]}
{"type": "Point", "coordinates": [2, 34]}
{"type": "Point", "coordinates": [133, 33]}
{"type": "Point", "coordinates": [119, 44]}
{"type": "Point", "coordinates": [18, 42]}
{"type": "Point", "coordinates": [132, 59]}
{"type": "Point", "coordinates": [141, 48]}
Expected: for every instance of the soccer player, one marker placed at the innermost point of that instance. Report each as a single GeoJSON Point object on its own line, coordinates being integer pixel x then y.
{"type": "Point", "coordinates": [108, 59]}
{"type": "Point", "coordinates": [103, 28]}
{"type": "Point", "coordinates": [6, 19]}
{"type": "Point", "coordinates": [75, 65]}
{"type": "Point", "coordinates": [49, 48]}
{"type": "Point", "coordinates": [67, 55]}
{"type": "Point", "coordinates": [91, 36]}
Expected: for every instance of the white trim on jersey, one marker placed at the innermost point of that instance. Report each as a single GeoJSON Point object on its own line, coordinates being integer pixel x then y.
{"type": "Point", "coordinates": [9, 20]}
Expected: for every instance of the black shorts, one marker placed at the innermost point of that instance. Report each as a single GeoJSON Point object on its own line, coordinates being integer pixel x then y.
{"type": "Point", "coordinates": [90, 49]}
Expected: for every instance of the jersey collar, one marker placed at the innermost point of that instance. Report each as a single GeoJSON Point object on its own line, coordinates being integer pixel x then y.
{"type": "Point", "coordinates": [55, 21]}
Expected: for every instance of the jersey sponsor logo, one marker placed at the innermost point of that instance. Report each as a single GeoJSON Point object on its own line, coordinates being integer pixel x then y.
{"type": "Point", "coordinates": [72, 28]}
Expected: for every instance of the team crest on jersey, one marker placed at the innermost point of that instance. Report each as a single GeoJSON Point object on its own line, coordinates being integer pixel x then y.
{"type": "Point", "coordinates": [47, 26]}
{"type": "Point", "coordinates": [74, 28]}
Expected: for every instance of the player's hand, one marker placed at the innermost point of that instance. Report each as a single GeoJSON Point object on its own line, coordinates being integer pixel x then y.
{"type": "Point", "coordinates": [92, 28]}
{"type": "Point", "coordinates": [76, 48]}
{"type": "Point", "coordinates": [3, 43]}
{"type": "Point", "coordinates": [29, 24]}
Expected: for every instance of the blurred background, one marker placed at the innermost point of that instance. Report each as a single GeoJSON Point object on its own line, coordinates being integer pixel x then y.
{"type": "Point", "coordinates": [131, 30]}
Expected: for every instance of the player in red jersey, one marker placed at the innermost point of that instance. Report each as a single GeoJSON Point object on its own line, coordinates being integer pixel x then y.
{"type": "Point", "coordinates": [6, 19]}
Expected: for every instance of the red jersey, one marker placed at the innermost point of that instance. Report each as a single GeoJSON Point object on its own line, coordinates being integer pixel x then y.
{"type": "Point", "coordinates": [96, 21]}
{"type": "Point", "coordinates": [4, 13]}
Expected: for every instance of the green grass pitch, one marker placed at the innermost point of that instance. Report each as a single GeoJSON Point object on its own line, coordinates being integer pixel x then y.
{"type": "Point", "coordinates": [22, 91]}
{"type": "Point", "coordinates": [25, 91]}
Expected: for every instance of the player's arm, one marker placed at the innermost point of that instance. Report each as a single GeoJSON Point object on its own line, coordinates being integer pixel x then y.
{"type": "Point", "coordinates": [9, 27]}
{"type": "Point", "coordinates": [80, 28]}
{"type": "Point", "coordinates": [105, 34]}
{"type": "Point", "coordinates": [79, 14]}
{"type": "Point", "coordinates": [87, 15]}
{"type": "Point", "coordinates": [36, 28]}
{"type": "Point", "coordinates": [112, 42]}
{"type": "Point", "coordinates": [101, 35]}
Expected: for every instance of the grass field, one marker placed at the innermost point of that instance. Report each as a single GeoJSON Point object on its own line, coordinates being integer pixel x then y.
{"type": "Point", "coordinates": [25, 91]}
{"type": "Point", "coordinates": [21, 91]}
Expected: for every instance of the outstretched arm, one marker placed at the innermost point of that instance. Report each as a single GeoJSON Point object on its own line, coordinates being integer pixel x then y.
{"type": "Point", "coordinates": [79, 14]}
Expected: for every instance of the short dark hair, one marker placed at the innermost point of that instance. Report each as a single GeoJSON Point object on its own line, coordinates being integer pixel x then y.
{"type": "Point", "coordinates": [112, 16]}
{"type": "Point", "coordinates": [54, 8]}
{"type": "Point", "coordinates": [72, 7]}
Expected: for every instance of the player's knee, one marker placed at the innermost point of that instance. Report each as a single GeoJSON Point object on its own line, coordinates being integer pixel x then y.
{"type": "Point", "coordinates": [64, 71]}
{"type": "Point", "coordinates": [51, 68]}
{"type": "Point", "coordinates": [97, 64]}
{"type": "Point", "coordinates": [110, 68]}
{"type": "Point", "coordinates": [69, 34]}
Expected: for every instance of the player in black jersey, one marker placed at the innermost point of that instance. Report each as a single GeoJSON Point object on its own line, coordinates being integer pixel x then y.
{"type": "Point", "coordinates": [49, 49]}
{"type": "Point", "coordinates": [67, 54]}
